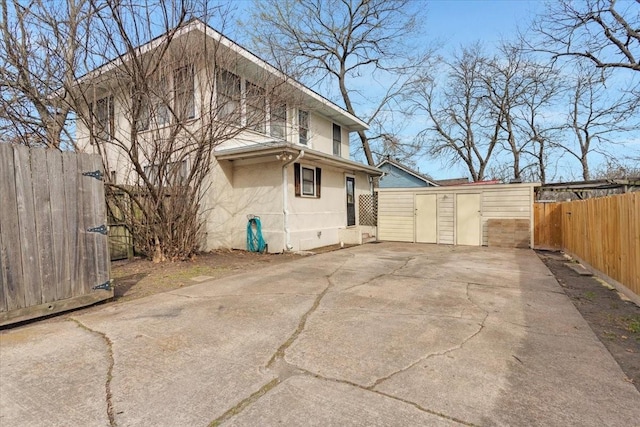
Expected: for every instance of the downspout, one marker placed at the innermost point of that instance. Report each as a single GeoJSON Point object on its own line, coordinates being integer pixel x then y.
{"type": "Point", "coordinates": [285, 201]}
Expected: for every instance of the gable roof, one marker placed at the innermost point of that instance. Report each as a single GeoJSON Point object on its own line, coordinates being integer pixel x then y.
{"type": "Point", "coordinates": [311, 99]}
{"type": "Point", "coordinates": [388, 160]}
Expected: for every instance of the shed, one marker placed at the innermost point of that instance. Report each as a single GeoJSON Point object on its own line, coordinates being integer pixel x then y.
{"type": "Point", "coordinates": [478, 215]}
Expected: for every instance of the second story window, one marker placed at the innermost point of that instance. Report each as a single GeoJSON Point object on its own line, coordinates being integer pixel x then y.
{"type": "Point", "coordinates": [278, 120]}
{"type": "Point", "coordinates": [160, 101]}
{"type": "Point", "coordinates": [303, 126]}
{"type": "Point", "coordinates": [337, 140]}
{"type": "Point", "coordinates": [256, 108]}
{"type": "Point", "coordinates": [228, 96]}
{"type": "Point", "coordinates": [183, 85]}
{"type": "Point", "coordinates": [103, 119]}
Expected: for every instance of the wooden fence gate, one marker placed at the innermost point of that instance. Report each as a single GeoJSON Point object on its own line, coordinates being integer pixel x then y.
{"type": "Point", "coordinates": [53, 243]}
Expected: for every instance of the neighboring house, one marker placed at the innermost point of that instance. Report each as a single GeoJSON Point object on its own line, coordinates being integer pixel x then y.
{"type": "Point", "coordinates": [397, 175]}
{"type": "Point", "coordinates": [291, 168]}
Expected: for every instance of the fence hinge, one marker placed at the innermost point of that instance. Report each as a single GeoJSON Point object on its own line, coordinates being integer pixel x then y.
{"type": "Point", "coordinates": [106, 286]}
{"type": "Point", "coordinates": [102, 229]}
{"type": "Point", "coordinates": [94, 174]}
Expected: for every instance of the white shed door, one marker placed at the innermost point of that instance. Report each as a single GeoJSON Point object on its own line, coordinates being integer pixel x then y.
{"type": "Point", "coordinates": [468, 219]}
{"type": "Point", "coordinates": [426, 222]}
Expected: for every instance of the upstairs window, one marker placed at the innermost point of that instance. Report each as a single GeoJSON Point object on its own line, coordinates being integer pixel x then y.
{"type": "Point", "coordinates": [337, 140]}
{"type": "Point", "coordinates": [160, 101]}
{"type": "Point", "coordinates": [278, 120]}
{"type": "Point", "coordinates": [229, 96]}
{"type": "Point", "coordinates": [303, 127]}
{"type": "Point", "coordinates": [256, 108]}
{"type": "Point", "coordinates": [168, 175]}
{"type": "Point", "coordinates": [103, 119]}
{"type": "Point", "coordinates": [184, 100]}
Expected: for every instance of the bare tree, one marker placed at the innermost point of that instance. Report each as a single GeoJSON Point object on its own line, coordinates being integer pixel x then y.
{"type": "Point", "coordinates": [463, 126]}
{"type": "Point", "coordinates": [605, 32]}
{"type": "Point", "coordinates": [597, 118]}
{"type": "Point", "coordinates": [340, 41]}
{"type": "Point", "coordinates": [41, 52]}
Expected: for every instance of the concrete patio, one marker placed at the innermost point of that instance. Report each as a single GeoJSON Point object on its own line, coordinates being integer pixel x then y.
{"type": "Point", "coordinates": [381, 334]}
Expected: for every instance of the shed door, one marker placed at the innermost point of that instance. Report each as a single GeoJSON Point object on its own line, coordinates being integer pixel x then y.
{"type": "Point", "coordinates": [468, 219]}
{"type": "Point", "coordinates": [426, 224]}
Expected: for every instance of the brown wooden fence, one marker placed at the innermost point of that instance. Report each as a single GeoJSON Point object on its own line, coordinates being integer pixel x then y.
{"type": "Point", "coordinates": [604, 232]}
{"type": "Point", "coordinates": [53, 255]}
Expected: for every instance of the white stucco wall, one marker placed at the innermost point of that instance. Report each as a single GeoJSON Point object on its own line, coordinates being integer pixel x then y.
{"type": "Point", "coordinates": [242, 188]}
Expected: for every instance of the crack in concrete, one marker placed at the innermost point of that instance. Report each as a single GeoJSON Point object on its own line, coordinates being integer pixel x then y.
{"type": "Point", "coordinates": [387, 395]}
{"type": "Point", "coordinates": [442, 353]}
{"type": "Point", "coordinates": [107, 385]}
{"type": "Point", "coordinates": [283, 369]}
{"type": "Point", "coordinates": [392, 273]}
{"type": "Point", "coordinates": [279, 354]}
{"type": "Point", "coordinates": [240, 406]}
{"type": "Point", "coordinates": [301, 325]}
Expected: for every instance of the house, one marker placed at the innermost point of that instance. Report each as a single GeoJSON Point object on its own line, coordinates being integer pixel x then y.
{"type": "Point", "coordinates": [281, 153]}
{"type": "Point", "coordinates": [397, 175]}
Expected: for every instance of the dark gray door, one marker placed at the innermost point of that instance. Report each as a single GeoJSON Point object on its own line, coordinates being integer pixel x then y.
{"type": "Point", "coordinates": [351, 201]}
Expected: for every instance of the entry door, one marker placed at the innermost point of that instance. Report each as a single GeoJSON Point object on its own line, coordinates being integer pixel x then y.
{"type": "Point", "coordinates": [426, 218]}
{"type": "Point", "coordinates": [351, 201]}
{"type": "Point", "coordinates": [468, 219]}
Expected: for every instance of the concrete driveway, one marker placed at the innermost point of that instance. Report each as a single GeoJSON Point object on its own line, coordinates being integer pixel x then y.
{"type": "Point", "coordinates": [382, 334]}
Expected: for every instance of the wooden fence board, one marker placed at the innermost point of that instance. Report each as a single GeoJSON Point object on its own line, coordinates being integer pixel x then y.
{"type": "Point", "coordinates": [9, 235]}
{"type": "Point", "coordinates": [10, 238]}
{"type": "Point", "coordinates": [604, 232]}
{"type": "Point", "coordinates": [88, 219]}
{"type": "Point", "coordinates": [3, 274]}
{"type": "Point", "coordinates": [60, 249]}
{"type": "Point", "coordinates": [43, 224]}
{"type": "Point", "coordinates": [26, 222]}
{"type": "Point", "coordinates": [100, 215]}
{"type": "Point", "coordinates": [72, 229]}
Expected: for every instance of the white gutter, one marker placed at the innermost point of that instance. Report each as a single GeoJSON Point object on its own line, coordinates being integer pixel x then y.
{"type": "Point", "coordinates": [285, 201]}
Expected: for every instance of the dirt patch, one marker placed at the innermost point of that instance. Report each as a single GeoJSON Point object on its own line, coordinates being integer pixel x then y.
{"type": "Point", "coordinates": [614, 320]}
{"type": "Point", "coordinates": [139, 278]}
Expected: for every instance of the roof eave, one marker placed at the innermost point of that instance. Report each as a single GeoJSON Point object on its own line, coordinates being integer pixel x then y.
{"type": "Point", "coordinates": [258, 151]}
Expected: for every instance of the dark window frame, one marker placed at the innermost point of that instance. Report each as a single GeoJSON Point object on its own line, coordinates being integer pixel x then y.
{"type": "Point", "coordinates": [298, 171]}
